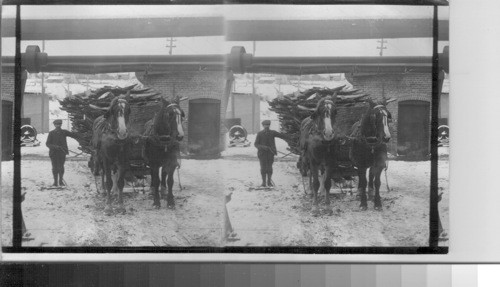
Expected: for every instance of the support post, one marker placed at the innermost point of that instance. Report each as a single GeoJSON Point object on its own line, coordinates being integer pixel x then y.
{"type": "Point", "coordinates": [434, 210]}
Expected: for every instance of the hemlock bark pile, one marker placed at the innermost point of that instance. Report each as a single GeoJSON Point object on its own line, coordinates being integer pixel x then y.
{"type": "Point", "coordinates": [350, 105]}
{"type": "Point", "coordinates": [84, 108]}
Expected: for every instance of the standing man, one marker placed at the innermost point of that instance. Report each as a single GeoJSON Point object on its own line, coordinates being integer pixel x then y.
{"type": "Point", "coordinates": [266, 147]}
{"type": "Point", "coordinates": [58, 149]}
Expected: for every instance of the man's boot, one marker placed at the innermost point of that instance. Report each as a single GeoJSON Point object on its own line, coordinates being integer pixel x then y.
{"type": "Point", "coordinates": [263, 174]}
{"type": "Point", "coordinates": [61, 180]}
{"type": "Point", "coordinates": [55, 178]}
{"type": "Point", "coordinates": [269, 180]}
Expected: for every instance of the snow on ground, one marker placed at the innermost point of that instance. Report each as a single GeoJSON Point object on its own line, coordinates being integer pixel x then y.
{"type": "Point", "coordinates": [281, 217]}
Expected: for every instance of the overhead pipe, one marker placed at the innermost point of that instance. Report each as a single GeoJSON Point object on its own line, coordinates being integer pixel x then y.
{"type": "Point", "coordinates": [238, 61]}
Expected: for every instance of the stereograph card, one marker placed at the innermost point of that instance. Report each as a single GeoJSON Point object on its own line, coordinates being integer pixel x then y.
{"type": "Point", "coordinates": [311, 129]}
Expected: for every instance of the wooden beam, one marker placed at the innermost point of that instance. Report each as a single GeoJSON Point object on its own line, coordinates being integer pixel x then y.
{"type": "Point", "coordinates": [80, 29]}
{"type": "Point", "coordinates": [302, 30]}
{"type": "Point", "coordinates": [237, 30]}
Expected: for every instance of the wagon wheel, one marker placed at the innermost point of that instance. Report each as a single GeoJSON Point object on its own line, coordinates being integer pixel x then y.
{"type": "Point", "coordinates": [237, 134]}
{"type": "Point", "coordinates": [443, 135]}
{"type": "Point", "coordinates": [28, 134]}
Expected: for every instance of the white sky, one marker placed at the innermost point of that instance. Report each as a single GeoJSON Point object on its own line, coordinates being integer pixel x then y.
{"type": "Point", "coordinates": [217, 45]}
{"type": "Point", "coordinates": [230, 12]}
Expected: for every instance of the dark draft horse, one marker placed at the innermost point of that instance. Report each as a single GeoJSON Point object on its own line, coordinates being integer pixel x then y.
{"type": "Point", "coordinates": [110, 140]}
{"type": "Point", "coordinates": [161, 146]}
{"type": "Point", "coordinates": [317, 145]}
{"type": "Point", "coordinates": [368, 149]}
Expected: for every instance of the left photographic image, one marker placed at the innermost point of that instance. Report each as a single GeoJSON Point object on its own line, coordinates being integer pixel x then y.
{"type": "Point", "coordinates": [107, 101]}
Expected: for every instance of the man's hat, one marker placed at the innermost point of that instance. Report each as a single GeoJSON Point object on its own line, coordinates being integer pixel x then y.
{"type": "Point", "coordinates": [266, 122]}
{"type": "Point", "coordinates": [57, 122]}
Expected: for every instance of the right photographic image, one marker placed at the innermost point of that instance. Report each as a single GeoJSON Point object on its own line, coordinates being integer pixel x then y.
{"type": "Point", "coordinates": [350, 146]}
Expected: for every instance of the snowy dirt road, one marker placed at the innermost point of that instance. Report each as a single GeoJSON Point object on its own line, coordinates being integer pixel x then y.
{"type": "Point", "coordinates": [75, 216]}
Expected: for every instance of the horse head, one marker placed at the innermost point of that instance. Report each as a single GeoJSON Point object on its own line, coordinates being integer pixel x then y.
{"type": "Point", "coordinates": [169, 119]}
{"type": "Point", "coordinates": [324, 116]}
{"type": "Point", "coordinates": [375, 126]}
{"type": "Point", "coordinates": [118, 114]}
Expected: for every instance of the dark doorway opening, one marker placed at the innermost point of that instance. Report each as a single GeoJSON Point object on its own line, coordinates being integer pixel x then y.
{"type": "Point", "coordinates": [7, 130]}
{"type": "Point", "coordinates": [414, 129]}
{"type": "Point", "coordinates": [204, 127]}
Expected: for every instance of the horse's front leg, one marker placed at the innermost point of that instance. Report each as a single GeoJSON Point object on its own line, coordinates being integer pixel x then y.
{"type": "Point", "coordinates": [371, 178]}
{"type": "Point", "coordinates": [315, 175]}
{"type": "Point", "coordinates": [109, 184]}
{"type": "Point", "coordinates": [327, 184]}
{"type": "Point", "coordinates": [120, 183]}
{"type": "Point", "coordinates": [377, 200]}
{"type": "Point", "coordinates": [155, 182]}
{"type": "Point", "coordinates": [170, 184]}
{"type": "Point", "coordinates": [163, 181]}
{"type": "Point", "coordinates": [362, 187]}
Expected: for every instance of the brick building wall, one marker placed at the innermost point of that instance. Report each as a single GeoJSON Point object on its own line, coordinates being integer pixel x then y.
{"type": "Point", "coordinates": [403, 87]}
{"type": "Point", "coordinates": [194, 85]}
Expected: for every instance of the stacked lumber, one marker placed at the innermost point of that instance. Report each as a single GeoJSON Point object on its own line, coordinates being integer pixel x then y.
{"type": "Point", "coordinates": [350, 103]}
{"type": "Point", "coordinates": [85, 107]}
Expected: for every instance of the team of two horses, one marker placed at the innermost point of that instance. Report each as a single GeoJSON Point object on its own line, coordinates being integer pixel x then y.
{"type": "Point", "coordinates": [112, 142]}
{"type": "Point", "coordinates": [368, 149]}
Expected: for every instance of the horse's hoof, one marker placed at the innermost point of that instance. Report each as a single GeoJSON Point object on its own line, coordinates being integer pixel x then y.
{"type": "Point", "coordinates": [363, 207]}
{"type": "Point", "coordinates": [378, 208]}
{"type": "Point", "coordinates": [328, 211]}
{"type": "Point", "coordinates": [121, 210]}
{"type": "Point", "coordinates": [315, 211]}
{"type": "Point", "coordinates": [108, 210]}
{"type": "Point", "coordinates": [171, 204]}
{"type": "Point", "coordinates": [157, 204]}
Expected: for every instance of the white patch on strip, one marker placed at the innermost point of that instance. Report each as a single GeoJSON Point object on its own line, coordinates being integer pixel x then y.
{"type": "Point", "coordinates": [328, 126]}
{"type": "Point", "coordinates": [386, 127]}
{"type": "Point", "coordinates": [179, 126]}
{"type": "Point", "coordinates": [122, 128]}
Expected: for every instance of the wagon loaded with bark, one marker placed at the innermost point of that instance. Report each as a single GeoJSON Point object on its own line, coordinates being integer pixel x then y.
{"type": "Point", "coordinates": [350, 104]}
{"type": "Point", "coordinates": [85, 107]}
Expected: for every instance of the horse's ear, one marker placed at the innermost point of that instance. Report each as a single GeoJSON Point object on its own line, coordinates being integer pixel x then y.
{"type": "Point", "coordinates": [107, 113]}
{"type": "Point", "coordinates": [109, 110]}
{"type": "Point", "coordinates": [164, 101]}
{"type": "Point", "coordinates": [334, 97]}
{"type": "Point", "coordinates": [128, 97]}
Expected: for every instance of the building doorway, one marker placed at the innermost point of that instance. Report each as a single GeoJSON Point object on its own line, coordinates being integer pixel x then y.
{"type": "Point", "coordinates": [204, 127]}
{"type": "Point", "coordinates": [414, 129]}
